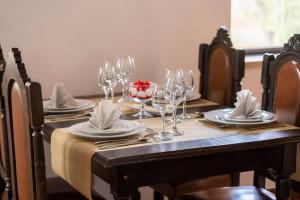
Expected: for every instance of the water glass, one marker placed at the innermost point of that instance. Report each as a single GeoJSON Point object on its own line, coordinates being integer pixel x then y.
{"type": "Point", "coordinates": [188, 83]}
{"type": "Point", "coordinates": [175, 95]}
{"type": "Point", "coordinates": [125, 68]}
{"type": "Point", "coordinates": [107, 79]}
{"type": "Point", "coordinates": [162, 104]}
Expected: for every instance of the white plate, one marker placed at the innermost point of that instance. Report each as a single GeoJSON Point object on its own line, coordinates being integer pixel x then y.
{"type": "Point", "coordinates": [218, 117]}
{"type": "Point", "coordinates": [87, 107]}
{"type": "Point", "coordinates": [151, 109]}
{"type": "Point", "coordinates": [74, 131]}
{"type": "Point", "coordinates": [80, 103]}
{"type": "Point", "coordinates": [123, 127]}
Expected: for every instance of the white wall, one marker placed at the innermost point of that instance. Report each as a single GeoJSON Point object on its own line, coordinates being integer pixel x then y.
{"type": "Point", "coordinates": [67, 40]}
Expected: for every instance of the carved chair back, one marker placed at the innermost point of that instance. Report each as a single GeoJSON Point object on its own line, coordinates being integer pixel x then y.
{"type": "Point", "coordinates": [281, 82]}
{"type": "Point", "coordinates": [24, 118]}
{"type": "Point", "coordinates": [221, 68]}
{"type": "Point", "coordinates": [4, 161]}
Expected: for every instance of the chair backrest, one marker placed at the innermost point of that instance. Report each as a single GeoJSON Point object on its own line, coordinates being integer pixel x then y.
{"type": "Point", "coordinates": [221, 69]}
{"type": "Point", "coordinates": [281, 82]}
{"type": "Point", "coordinates": [24, 117]}
{"type": "Point", "coordinates": [4, 161]}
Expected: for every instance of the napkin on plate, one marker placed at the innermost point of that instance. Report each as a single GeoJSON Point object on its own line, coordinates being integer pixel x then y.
{"type": "Point", "coordinates": [106, 115]}
{"type": "Point", "coordinates": [245, 106]}
{"type": "Point", "coordinates": [61, 98]}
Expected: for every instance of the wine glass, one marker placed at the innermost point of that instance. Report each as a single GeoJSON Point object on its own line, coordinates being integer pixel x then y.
{"type": "Point", "coordinates": [122, 75]}
{"type": "Point", "coordinates": [131, 67]}
{"type": "Point", "coordinates": [125, 70]}
{"type": "Point", "coordinates": [107, 79]}
{"type": "Point", "coordinates": [188, 84]}
{"type": "Point", "coordinates": [142, 92]}
{"type": "Point", "coordinates": [162, 103]}
{"type": "Point", "coordinates": [175, 95]}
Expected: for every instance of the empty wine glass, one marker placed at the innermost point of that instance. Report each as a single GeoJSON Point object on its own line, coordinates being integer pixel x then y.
{"type": "Point", "coordinates": [107, 79]}
{"type": "Point", "coordinates": [175, 95]}
{"type": "Point", "coordinates": [142, 92]}
{"type": "Point", "coordinates": [125, 70]}
{"type": "Point", "coordinates": [188, 83]}
{"type": "Point", "coordinates": [131, 66]}
{"type": "Point", "coordinates": [162, 103]}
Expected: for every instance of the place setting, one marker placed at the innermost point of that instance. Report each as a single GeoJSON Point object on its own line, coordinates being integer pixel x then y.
{"type": "Point", "coordinates": [246, 115]}
{"type": "Point", "coordinates": [62, 104]}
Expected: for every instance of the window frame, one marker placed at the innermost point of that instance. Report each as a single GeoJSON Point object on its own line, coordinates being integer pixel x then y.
{"type": "Point", "coordinates": [263, 50]}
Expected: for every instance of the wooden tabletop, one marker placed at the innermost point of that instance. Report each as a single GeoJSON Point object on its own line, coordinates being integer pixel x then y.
{"type": "Point", "coordinates": [127, 169]}
{"type": "Point", "coordinates": [184, 148]}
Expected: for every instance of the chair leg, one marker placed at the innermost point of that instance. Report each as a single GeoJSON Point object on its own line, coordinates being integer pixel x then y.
{"type": "Point", "coordinates": [136, 195]}
{"type": "Point", "coordinates": [235, 179]}
{"type": "Point", "coordinates": [157, 196]}
{"type": "Point", "coordinates": [259, 180]}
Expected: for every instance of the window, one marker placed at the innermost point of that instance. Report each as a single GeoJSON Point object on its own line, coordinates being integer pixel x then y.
{"type": "Point", "coordinates": [264, 24]}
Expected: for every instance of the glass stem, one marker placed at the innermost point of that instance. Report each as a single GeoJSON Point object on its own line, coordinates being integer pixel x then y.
{"type": "Point", "coordinates": [126, 88]}
{"type": "Point", "coordinates": [142, 108]}
{"type": "Point", "coordinates": [174, 115]}
{"type": "Point", "coordinates": [106, 93]}
{"type": "Point", "coordinates": [163, 117]}
{"type": "Point", "coordinates": [123, 90]}
{"type": "Point", "coordinates": [184, 106]}
{"type": "Point", "coordinates": [112, 94]}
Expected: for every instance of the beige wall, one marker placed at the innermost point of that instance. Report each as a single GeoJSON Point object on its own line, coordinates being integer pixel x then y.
{"type": "Point", "coordinates": [67, 40]}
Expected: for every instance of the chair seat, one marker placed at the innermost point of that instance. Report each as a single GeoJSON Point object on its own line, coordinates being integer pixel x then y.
{"type": "Point", "coordinates": [230, 193]}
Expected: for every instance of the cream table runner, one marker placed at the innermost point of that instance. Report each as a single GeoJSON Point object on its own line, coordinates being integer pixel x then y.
{"type": "Point", "coordinates": [71, 155]}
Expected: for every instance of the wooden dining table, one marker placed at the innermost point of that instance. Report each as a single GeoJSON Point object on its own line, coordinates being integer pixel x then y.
{"type": "Point", "coordinates": [125, 170]}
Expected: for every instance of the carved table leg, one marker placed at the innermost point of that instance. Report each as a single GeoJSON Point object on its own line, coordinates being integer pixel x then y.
{"type": "Point", "coordinates": [283, 187]}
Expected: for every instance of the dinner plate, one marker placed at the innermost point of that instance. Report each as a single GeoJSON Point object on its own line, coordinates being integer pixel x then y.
{"type": "Point", "coordinates": [74, 131]}
{"type": "Point", "coordinates": [83, 108]}
{"type": "Point", "coordinates": [151, 109]}
{"type": "Point", "coordinates": [218, 116]}
{"type": "Point", "coordinates": [121, 128]}
{"type": "Point", "coordinates": [80, 103]}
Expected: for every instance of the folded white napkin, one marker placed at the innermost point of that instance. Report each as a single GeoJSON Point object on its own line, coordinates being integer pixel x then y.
{"type": "Point", "coordinates": [106, 115]}
{"type": "Point", "coordinates": [61, 98]}
{"type": "Point", "coordinates": [245, 106]}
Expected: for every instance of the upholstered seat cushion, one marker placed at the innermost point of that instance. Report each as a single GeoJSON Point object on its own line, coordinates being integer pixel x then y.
{"type": "Point", "coordinates": [230, 193]}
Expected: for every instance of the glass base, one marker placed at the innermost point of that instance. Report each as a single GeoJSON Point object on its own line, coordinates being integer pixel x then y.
{"type": "Point", "coordinates": [163, 136]}
{"type": "Point", "coordinates": [170, 120]}
{"type": "Point", "coordinates": [175, 132]}
{"type": "Point", "coordinates": [142, 115]}
{"type": "Point", "coordinates": [122, 99]}
{"type": "Point", "coordinates": [185, 116]}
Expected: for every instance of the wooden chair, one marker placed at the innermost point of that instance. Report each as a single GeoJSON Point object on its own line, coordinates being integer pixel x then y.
{"type": "Point", "coordinates": [24, 119]}
{"type": "Point", "coordinates": [221, 69]}
{"type": "Point", "coordinates": [4, 158]}
{"type": "Point", "coordinates": [280, 80]}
